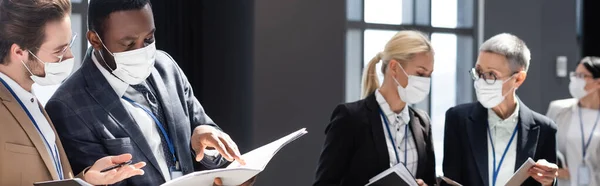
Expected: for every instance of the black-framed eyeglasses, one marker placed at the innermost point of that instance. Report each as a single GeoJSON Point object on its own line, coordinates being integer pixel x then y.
{"type": "Point", "coordinates": [489, 77]}
{"type": "Point", "coordinates": [580, 75]}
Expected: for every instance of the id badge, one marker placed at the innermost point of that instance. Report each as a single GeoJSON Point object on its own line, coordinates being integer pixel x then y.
{"type": "Point", "coordinates": [175, 174]}
{"type": "Point", "coordinates": [175, 171]}
{"type": "Point", "coordinates": [583, 175]}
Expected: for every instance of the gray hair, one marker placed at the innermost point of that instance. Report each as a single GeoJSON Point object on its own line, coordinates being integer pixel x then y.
{"type": "Point", "coordinates": [510, 46]}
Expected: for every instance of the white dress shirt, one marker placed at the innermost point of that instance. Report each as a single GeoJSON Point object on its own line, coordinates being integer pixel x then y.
{"type": "Point", "coordinates": [143, 120]}
{"type": "Point", "coordinates": [574, 151]}
{"type": "Point", "coordinates": [397, 124]}
{"type": "Point", "coordinates": [33, 106]}
{"type": "Point", "coordinates": [501, 131]}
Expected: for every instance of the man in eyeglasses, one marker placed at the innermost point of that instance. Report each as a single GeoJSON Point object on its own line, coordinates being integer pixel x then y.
{"type": "Point", "coordinates": [35, 40]}
{"type": "Point", "coordinates": [487, 141]}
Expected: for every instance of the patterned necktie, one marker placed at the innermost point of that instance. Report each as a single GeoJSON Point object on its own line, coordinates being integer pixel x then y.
{"type": "Point", "coordinates": [156, 109]}
{"type": "Point", "coordinates": [400, 135]}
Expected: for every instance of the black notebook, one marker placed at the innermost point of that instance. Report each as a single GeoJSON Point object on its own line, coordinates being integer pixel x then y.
{"type": "Point", "coordinates": [395, 176]}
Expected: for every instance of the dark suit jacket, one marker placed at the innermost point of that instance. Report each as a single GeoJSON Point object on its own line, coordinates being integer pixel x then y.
{"type": "Point", "coordinates": [355, 149]}
{"type": "Point", "coordinates": [92, 122]}
{"type": "Point", "coordinates": [465, 142]}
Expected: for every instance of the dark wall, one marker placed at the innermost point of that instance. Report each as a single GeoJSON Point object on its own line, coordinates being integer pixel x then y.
{"type": "Point", "coordinates": [589, 27]}
{"type": "Point", "coordinates": [214, 49]}
{"type": "Point", "coordinates": [262, 69]}
{"type": "Point", "coordinates": [227, 67]}
{"type": "Point", "coordinates": [548, 28]}
{"type": "Point", "coordinates": [298, 80]}
{"type": "Point", "coordinates": [213, 46]}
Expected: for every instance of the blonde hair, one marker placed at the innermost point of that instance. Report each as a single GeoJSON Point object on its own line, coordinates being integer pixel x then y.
{"type": "Point", "coordinates": [402, 47]}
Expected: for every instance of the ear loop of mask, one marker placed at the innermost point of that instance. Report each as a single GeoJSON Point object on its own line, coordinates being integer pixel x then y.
{"type": "Point", "coordinates": [39, 61]}
{"type": "Point", "coordinates": [504, 95]}
{"type": "Point", "coordinates": [102, 55]}
{"type": "Point", "coordinates": [402, 68]}
{"type": "Point", "coordinates": [25, 65]}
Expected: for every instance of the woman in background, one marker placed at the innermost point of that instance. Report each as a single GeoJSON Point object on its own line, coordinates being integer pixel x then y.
{"type": "Point", "coordinates": [577, 121]}
{"type": "Point", "coordinates": [366, 137]}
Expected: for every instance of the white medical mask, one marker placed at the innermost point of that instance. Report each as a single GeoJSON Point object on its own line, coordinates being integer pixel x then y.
{"type": "Point", "coordinates": [490, 95]}
{"type": "Point", "coordinates": [577, 87]}
{"type": "Point", "coordinates": [56, 72]}
{"type": "Point", "coordinates": [416, 90]}
{"type": "Point", "coordinates": [133, 67]}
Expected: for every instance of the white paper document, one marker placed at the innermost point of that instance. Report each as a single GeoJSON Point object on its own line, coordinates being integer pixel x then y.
{"type": "Point", "coordinates": [236, 174]}
{"type": "Point", "coordinates": [397, 175]}
{"type": "Point", "coordinates": [521, 174]}
{"type": "Point", "coordinates": [65, 182]}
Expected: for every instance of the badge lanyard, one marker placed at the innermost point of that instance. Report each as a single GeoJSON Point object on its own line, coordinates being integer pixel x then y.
{"type": "Point", "coordinates": [496, 169]}
{"type": "Point", "coordinates": [54, 153]}
{"type": "Point", "coordinates": [385, 120]}
{"type": "Point", "coordinates": [584, 144]}
{"type": "Point", "coordinates": [583, 176]}
{"type": "Point", "coordinates": [162, 130]}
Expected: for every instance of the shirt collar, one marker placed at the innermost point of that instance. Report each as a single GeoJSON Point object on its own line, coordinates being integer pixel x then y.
{"type": "Point", "coordinates": [118, 86]}
{"type": "Point", "coordinates": [22, 94]}
{"type": "Point", "coordinates": [494, 119]}
{"type": "Point", "coordinates": [391, 116]}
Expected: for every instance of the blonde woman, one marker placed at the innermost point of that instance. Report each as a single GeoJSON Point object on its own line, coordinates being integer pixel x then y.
{"type": "Point", "coordinates": [369, 136]}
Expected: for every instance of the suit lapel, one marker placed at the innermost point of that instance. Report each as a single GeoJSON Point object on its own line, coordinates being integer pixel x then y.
{"type": "Point", "coordinates": [417, 131]}
{"type": "Point", "coordinates": [20, 115]}
{"type": "Point", "coordinates": [377, 132]}
{"type": "Point", "coordinates": [163, 96]}
{"type": "Point", "coordinates": [477, 132]}
{"type": "Point", "coordinates": [97, 87]}
{"type": "Point", "coordinates": [528, 135]}
{"type": "Point", "coordinates": [66, 166]}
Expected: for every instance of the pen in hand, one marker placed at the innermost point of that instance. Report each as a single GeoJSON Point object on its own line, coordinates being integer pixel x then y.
{"type": "Point", "coordinates": [116, 166]}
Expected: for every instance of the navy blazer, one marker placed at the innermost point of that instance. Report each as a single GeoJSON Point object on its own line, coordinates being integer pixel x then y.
{"type": "Point", "coordinates": [466, 147]}
{"type": "Point", "coordinates": [92, 122]}
{"type": "Point", "coordinates": [355, 148]}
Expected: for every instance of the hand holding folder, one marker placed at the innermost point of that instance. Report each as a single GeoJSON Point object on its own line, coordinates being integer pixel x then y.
{"type": "Point", "coordinates": [517, 179]}
{"type": "Point", "coordinates": [397, 175]}
{"type": "Point", "coordinates": [236, 173]}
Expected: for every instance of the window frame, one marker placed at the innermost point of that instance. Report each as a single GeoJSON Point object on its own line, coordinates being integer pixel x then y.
{"type": "Point", "coordinates": [356, 25]}
{"type": "Point", "coordinates": [81, 8]}
{"type": "Point", "coordinates": [465, 58]}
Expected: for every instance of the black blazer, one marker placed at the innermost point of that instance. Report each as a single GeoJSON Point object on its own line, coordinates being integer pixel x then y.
{"type": "Point", "coordinates": [355, 149]}
{"type": "Point", "coordinates": [465, 142]}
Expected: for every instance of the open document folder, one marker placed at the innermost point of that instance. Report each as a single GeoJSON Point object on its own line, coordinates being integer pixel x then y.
{"type": "Point", "coordinates": [397, 175]}
{"type": "Point", "coordinates": [236, 174]}
{"type": "Point", "coordinates": [66, 182]}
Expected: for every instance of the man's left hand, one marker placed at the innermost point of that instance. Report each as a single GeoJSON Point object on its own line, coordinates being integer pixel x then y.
{"type": "Point", "coordinates": [544, 172]}
{"type": "Point", "coordinates": [207, 136]}
{"type": "Point", "coordinates": [96, 177]}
